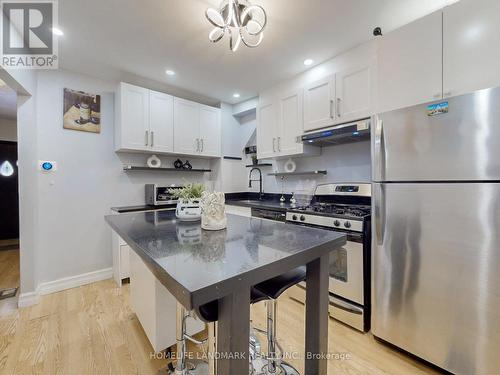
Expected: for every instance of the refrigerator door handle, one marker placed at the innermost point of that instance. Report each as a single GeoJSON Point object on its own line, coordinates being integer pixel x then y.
{"type": "Point", "coordinates": [379, 212]}
{"type": "Point", "coordinates": [378, 150]}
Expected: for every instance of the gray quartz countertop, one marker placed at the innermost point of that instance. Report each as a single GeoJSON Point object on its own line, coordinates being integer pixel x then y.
{"type": "Point", "coordinates": [199, 266]}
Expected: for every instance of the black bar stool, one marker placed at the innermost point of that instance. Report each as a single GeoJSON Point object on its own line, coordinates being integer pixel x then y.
{"type": "Point", "coordinates": [209, 313]}
{"type": "Point", "coordinates": [269, 291]}
{"type": "Point", "coordinates": [274, 288]}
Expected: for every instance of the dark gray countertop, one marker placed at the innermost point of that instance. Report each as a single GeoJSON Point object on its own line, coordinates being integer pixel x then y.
{"type": "Point", "coordinates": [199, 266]}
{"type": "Point", "coordinates": [144, 207]}
{"type": "Point", "coordinates": [271, 204]}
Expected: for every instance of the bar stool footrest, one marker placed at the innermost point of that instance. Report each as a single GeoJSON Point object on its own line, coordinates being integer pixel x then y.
{"type": "Point", "coordinates": [194, 367]}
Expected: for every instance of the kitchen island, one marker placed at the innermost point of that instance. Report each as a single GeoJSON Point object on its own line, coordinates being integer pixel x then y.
{"type": "Point", "coordinates": [198, 267]}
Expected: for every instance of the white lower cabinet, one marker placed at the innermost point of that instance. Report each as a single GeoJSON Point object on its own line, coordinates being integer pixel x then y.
{"type": "Point", "coordinates": [155, 307]}
{"type": "Point", "coordinates": [121, 261]}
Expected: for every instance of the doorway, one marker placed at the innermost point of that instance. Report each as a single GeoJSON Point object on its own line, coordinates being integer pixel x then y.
{"type": "Point", "coordinates": [9, 196]}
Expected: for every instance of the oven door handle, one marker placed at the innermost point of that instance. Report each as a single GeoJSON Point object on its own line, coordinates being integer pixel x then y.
{"type": "Point", "coordinates": [346, 307]}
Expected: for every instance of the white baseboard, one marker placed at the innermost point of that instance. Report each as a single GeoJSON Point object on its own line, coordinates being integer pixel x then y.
{"type": "Point", "coordinates": [28, 299]}
{"type": "Point", "coordinates": [74, 281]}
{"type": "Point", "coordinates": [32, 298]}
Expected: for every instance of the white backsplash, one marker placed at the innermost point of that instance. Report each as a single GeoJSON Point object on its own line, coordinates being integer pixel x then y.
{"type": "Point", "coordinates": [343, 163]}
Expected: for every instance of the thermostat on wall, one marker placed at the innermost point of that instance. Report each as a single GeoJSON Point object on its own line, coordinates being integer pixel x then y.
{"type": "Point", "coordinates": [47, 166]}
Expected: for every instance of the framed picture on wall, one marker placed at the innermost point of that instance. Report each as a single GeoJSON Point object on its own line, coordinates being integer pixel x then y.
{"type": "Point", "coordinates": [82, 111]}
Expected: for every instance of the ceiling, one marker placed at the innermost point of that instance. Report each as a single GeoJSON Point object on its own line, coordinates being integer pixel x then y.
{"type": "Point", "coordinates": [128, 39]}
{"type": "Point", "coordinates": [8, 102]}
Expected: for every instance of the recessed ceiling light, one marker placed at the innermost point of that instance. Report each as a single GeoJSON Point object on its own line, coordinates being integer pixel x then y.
{"type": "Point", "coordinates": [236, 95]}
{"type": "Point", "coordinates": [170, 72]}
{"type": "Point", "coordinates": [57, 31]}
{"type": "Point", "coordinates": [308, 62]}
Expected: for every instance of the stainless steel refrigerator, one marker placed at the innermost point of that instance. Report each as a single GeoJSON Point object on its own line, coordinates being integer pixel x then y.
{"type": "Point", "coordinates": [436, 231]}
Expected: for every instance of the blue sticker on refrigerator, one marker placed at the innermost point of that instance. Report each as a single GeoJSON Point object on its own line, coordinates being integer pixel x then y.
{"type": "Point", "coordinates": [437, 109]}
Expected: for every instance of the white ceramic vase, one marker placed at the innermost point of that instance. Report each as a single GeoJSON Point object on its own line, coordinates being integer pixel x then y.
{"type": "Point", "coordinates": [213, 212]}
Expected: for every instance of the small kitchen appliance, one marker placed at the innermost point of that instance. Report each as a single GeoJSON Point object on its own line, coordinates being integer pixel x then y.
{"type": "Point", "coordinates": [160, 195]}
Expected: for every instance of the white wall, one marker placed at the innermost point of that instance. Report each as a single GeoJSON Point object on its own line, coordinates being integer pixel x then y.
{"type": "Point", "coordinates": [73, 237]}
{"type": "Point", "coordinates": [8, 130]}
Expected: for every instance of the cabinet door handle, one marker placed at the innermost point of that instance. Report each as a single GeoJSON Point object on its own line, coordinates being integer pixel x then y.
{"type": "Point", "coordinates": [197, 145]}
{"type": "Point", "coordinates": [202, 145]}
{"type": "Point", "coordinates": [279, 144]}
{"type": "Point", "coordinates": [274, 144]}
{"type": "Point", "coordinates": [152, 139]}
{"type": "Point", "coordinates": [331, 108]}
{"type": "Point", "coordinates": [146, 138]}
{"type": "Point", "coordinates": [338, 107]}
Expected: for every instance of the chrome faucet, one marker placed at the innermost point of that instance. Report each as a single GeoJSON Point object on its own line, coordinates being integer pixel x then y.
{"type": "Point", "coordinates": [261, 194]}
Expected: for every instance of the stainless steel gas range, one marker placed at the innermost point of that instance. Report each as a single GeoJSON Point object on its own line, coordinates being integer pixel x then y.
{"type": "Point", "coordinates": [345, 208]}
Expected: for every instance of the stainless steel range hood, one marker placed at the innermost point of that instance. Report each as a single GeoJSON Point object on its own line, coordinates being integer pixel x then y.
{"type": "Point", "coordinates": [343, 133]}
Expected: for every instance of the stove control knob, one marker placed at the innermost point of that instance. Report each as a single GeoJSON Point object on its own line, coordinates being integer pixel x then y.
{"type": "Point", "coordinates": [302, 218]}
{"type": "Point", "coordinates": [336, 223]}
{"type": "Point", "coordinates": [347, 224]}
{"type": "Point", "coordinates": [294, 217]}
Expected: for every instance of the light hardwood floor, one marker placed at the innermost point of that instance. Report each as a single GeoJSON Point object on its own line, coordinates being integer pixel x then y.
{"type": "Point", "coordinates": [9, 269]}
{"type": "Point", "coordinates": [92, 330]}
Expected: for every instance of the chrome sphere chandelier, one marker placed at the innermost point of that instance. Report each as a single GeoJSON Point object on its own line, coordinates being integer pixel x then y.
{"type": "Point", "coordinates": [243, 22]}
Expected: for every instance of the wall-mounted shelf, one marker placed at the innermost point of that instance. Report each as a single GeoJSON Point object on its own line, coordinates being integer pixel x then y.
{"type": "Point", "coordinates": [128, 168]}
{"type": "Point", "coordinates": [259, 165]}
{"type": "Point", "coordinates": [297, 173]}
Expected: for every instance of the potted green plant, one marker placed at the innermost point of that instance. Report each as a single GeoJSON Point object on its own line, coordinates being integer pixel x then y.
{"type": "Point", "coordinates": [189, 204]}
{"type": "Point", "coordinates": [255, 161]}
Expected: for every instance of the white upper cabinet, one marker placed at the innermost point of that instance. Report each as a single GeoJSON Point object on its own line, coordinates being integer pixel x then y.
{"type": "Point", "coordinates": [186, 127]}
{"type": "Point", "coordinates": [280, 122]}
{"type": "Point", "coordinates": [266, 130]}
{"type": "Point", "coordinates": [290, 124]}
{"type": "Point", "coordinates": [152, 121]}
{"type": "Point", "coordinates": [210, 131]}
{"type": "Point", "coordinates": [410, 64]}
{"type": "Point", "coordinates": [197, 129]}
{"type": "Point", "coordinates": [354, 94]}
{"type": "Point", "coordinates": [471, 46]}
{"type": "Point", "coordinates": [161, 122]}
{"type": "Point", "coordinates": [319, 108]}
{"type": "Point", "coordinates": [133, 117]}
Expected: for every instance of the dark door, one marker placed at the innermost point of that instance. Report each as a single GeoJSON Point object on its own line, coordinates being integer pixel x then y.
{"type": "Point", "coordinates": [9, 196]}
